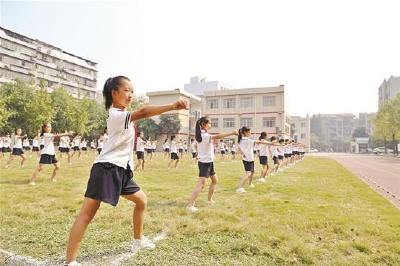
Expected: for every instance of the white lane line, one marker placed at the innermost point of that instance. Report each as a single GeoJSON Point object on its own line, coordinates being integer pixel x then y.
{"type": "Point", "coordinates": [12, 259]}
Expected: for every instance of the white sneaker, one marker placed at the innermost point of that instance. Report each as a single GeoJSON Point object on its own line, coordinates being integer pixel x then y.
{"type": "Point", "coordinates": [191, 209]}
{"type": "Point", "coordinates": [252, 185]}
{"type": "Point", "coordinates": [142, 243]}
{"type": "Point", "coordinates": [240, 190]}
{"type": "Point", "coordinates": [262, 180]}
{"type": "Point", "coordinates": [32, 183]}
{"type": "Point", "coordinates": [72, 263]}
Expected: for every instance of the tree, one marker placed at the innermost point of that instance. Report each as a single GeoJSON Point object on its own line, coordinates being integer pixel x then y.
{"type": "Point", "coordinates": [149, 127]}
{"type": "Point", "coordinates": [39, 110]}
{"type": "Point", "coordinates": [169, 124]}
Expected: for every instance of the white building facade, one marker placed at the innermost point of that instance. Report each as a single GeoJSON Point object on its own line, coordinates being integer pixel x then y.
{"type": "Point", "coordinates": [388, 89]}
{"type": "Point", "coordinates": [31, 61]}
{"type": "Point", "coordinates": [198, 86]}
{"type": "Point", "coordinates": [300, 129]}
{"type": "Point", "coordinates": [261, 109]}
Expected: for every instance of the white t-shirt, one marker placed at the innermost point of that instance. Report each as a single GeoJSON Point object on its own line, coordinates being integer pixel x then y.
{"type": "Point", "coordinates": [41, 141]}
{"type": "Point", "coordinates": [173, 147]}
{"type": "Point", "coordinates": [274, 151]}
{"type": "Point", "coordinates": [26, 143]}
{"type": "Point", "coordinates": [281, 151]}
{"type": "Point", "coordinates": [140, 144]}
{"type": "Point", "coordinates": [205, 148]}
{"type": "Point", "coordinates": [1, 143]}
{"type": "Point", "coordinates": [17, 143]}
{"type": "Point", "coordinates": [83, 144]}
{"type": "Point", "coordinates": [118, 149]}
{"type": "Point", "coordinates": [7, 142]}
{"type": "Point", "coordinates": [77, 142]}
{"type": "Point", "coordinates": [48, 144]}
{"type": "Point", "coordinates": [193, 146]}
{"type": "Point", "coordinates": [100, 144]}
{"type": "Point", "coordinates": [166, 145]}
{"type": "Point", "coordinates": [35, 143]}
{"type": "Point", "coordinates": [222, 146]}
{"type": "Point", "coordinates": [247, 147]}
{"type": "Point", "coordinates": [233, 148]}
{"type": "Point", "coordinates": [264, 149]}
{"type": "Point", "coordinates": [63, 143]}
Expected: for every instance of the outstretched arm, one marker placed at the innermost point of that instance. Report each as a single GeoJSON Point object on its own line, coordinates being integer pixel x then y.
{"type": "Point", "coordinates": [223, 135]}
{"type": "Point", "coordinates": [149, 111]}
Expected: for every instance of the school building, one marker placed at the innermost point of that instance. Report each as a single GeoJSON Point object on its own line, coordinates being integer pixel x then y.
{"type": "Point", "coordinates": [31, 60]}
{"type": "Point", "coordinates": [300, 128]}
{"type": "Point", "coordinates": [187, 118]}
{"type": "Point", "coordinates": [261, 109]}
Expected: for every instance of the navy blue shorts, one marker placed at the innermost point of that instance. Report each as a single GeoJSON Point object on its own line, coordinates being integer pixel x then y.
{"type": "Point", "coordinates": [17, 151]}
{"type": "Point", "coordinates": [263, 160]}
{"type": "Point", "coordinates": [174, 156]}
{"type": "Point", "coordinates": [107, 182]}
{"type": "Point", "coordinates": [248, 166]}
{"type": "Point", "coordinates": [206, 169]}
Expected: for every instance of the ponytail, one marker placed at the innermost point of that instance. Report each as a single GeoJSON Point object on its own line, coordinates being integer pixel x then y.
{"type": "Point", "coordinates": [263, 135]}
{"type": "Point", "coordinates": [110, 85]}
{"type": "Point", "coordinates": [199, 124]}
{"type": "Point", "coordinates": [241, 132]}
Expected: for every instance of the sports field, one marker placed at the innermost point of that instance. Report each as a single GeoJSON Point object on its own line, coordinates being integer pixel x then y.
{"type": "Point", "coordinates": [316, 212]}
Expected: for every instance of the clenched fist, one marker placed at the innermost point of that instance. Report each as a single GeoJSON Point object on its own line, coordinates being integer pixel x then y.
{"type": "Point", "coordinates": [181, 104]}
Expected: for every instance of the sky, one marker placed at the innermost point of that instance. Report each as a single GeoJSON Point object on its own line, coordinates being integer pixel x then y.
{"type": "Point", "coordinates": [331, 55]}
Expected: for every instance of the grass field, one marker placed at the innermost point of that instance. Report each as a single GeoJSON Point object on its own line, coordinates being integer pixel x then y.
{"type": "Point", "coordinates": [314, 213]}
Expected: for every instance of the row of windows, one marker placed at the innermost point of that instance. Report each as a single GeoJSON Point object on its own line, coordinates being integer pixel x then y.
{"type": "Point", "coordinates": [245, 102]}
{"type": "Point", "coordinates": [230, 122]}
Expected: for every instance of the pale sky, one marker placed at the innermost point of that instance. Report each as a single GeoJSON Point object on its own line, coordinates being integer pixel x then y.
{"type": "Point", "coordinates": [330, 55]}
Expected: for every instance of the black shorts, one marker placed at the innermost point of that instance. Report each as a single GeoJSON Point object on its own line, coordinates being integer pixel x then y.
{"type": "Point", "coordinates": [76, 148]}
{"type": "Point", "coordinates": [166, 149]}
{"type": "Point", "coordinates": [84, 149]}
{"type": "Point", "coordinates": [275, 160]}
{"type": "Point", "coordinates": [174, 156]}
{"type": "Point", "coordinates": [287, 155]}
{"type": "Point", "coordinates": [99, 150]}
{"type": "Point", "coordinates": [17, 151]}
{"type": "Point", "coordinates": [35, 148]}
{"type": "Point", "coordinates": [47, 159]}
{"type": "Point", "coordinates": [248, 166]}
{"type": "Point", "coordinates": [6, 149]}
{"type": "Point", "coordinates": [194, 154]}
{"type": "Point", "coordinates": [149, 150]}
{"type": "Point", "coordinates": [280, 157]}
{"type": "Point", "coordinates": [180, 150]}
{"type": "Point", "coordinates": [107, 182]}
{"type": "Point", "coordinates": [27, 148]}
{"type": "Point", "coordinates": [254, 152]}
{"type": "Point", "coordinates": [140, 155]}
{"type": "Point", "coordinates": [263, 160]}
{"type": "Point", "coordinates": [206, 169]}
{"type": "Point", "coordinates": [41, 146]}
{"type": "Point", "coordinates": [233, 152]}
{"type": "Point", "coordinates": [64, 150]}
{"type": "Point", "coordinates": [222, 152]}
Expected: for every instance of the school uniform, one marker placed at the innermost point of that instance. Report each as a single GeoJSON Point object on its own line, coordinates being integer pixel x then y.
{"type": "Point", "coordinates": [281, 153]}
{"type": "Point", "coordinates": [193, 149]}
{"type": "Point", "coordinates": [222, 148]}
{"type": "Point", "coordinates": [140, 149]}
{"type": "Point", "coordinates": [99, 146]}
{"type": "Point", "coordinates": [64, 145]}
{"type": "Point", "coordinates": [148, 147]}
{"type": "Point", "coordinates": [1, 144]}
{"type": "Point", "coordinates": [35, 145]}
{"type": "Point", "coordinates": [233, 149]}
{"type": "Point", "coordinates": [174, 151]}
{"type": "Point", "coordinates": [41, 143]}
{"type": "Point", "coordinates": [205, 150]}
{"type": "Point", "coordinates": [7, 145]}
{"type": "Point", "coordinates": [84, 146]}
{"type": "Point", "coordinates": [47, 154]}
{"type": "Point", "coordinates": [275, 154]}
{"type": "Point", "coordinates": [26, 145]}
{"type": "Point", "coordinates": [77, 144]}
{"type": "Point", "coordinates": [111, 174]}
{"type": "Point", "coordinates": [154, 147]}
{"type": "Point", "coordinates": [166, 147]}
{"type": "Point", "coordinates": [180, 147]}
{"type": "Point", "coordinates": [263, 154]}
{"type": "Point", "coordinates": [17, 148]}
{"type": "Point", "coordinates": [247, 147]}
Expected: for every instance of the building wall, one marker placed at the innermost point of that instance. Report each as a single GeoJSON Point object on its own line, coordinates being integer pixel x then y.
{"type": "Point", "coordinates": [198, 86]}
{"type": "Point", "coordinates": [261, 109]}
{"type": "Point", "coordinates": [31, 60]}
{"type": "Point", "coordinates": [301, 127]}
{"type": "Point", "coordinates": [187, 118]}
{"type": "Point", "coordinates": [388, 89]}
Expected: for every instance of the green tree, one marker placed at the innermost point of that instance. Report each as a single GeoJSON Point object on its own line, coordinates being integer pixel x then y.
{"type": "Point", "coordinates": [39, 110]}
{"type": "Point", "coordinates": [169, 124]}
{"type": "Point", "coordinates": [149, 128]}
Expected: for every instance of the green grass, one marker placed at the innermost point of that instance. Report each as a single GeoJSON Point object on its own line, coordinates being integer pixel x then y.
{"type": "Point", "coordinates": [314, 213]}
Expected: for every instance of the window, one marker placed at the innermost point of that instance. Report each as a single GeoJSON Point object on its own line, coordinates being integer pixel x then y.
{"type": "Point", "coordinates": [269, 100]}
{"type": "Point", "coordinates": [247, 122]}
{"type": "Point", "coordinates": [214, 122]}
{"type": "Point", "coordinates": [303, 124]}
{"type": "Point", "coordinates": [212, 104]}
{"type": "Point", "coordinates": [229, 122]}
{"type": "Point", "coordinates": [303, 136]}
{"type": "Point", "coordinates": [246, 102]}
{"type": "Point", "coordinates": [269, 121]}
{"type": "Point", "coordinates": [230, 103]}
